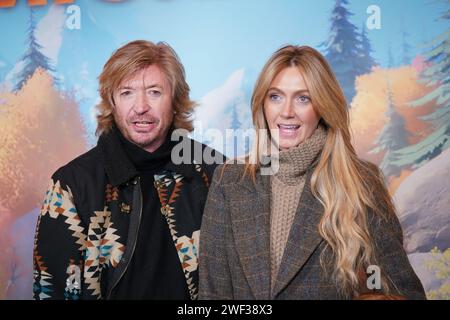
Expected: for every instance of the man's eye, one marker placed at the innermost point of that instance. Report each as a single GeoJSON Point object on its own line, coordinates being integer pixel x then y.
{"type": "Point", "coordinates": [155, 93]}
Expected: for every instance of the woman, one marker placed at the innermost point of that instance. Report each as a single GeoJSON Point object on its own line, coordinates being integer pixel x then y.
{"type": "Point", "coordinates": [323, 218]}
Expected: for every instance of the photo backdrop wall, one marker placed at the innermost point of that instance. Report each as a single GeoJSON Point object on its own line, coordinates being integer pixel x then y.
{"type": "Point", "coordinates": [391, 58]}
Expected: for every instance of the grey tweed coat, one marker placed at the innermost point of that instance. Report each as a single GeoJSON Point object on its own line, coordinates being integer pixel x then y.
{"type": "Point", "coordinates": [234, 257]}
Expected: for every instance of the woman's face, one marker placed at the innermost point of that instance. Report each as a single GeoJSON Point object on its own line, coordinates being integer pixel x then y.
{"type": "Point", "coordinates": [288, 109]}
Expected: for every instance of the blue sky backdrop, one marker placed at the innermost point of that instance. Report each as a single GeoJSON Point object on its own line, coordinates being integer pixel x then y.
{"type": "Point", "coordinates": [223, 45]}
{"type": "Point", "coordinates": [218, 41]}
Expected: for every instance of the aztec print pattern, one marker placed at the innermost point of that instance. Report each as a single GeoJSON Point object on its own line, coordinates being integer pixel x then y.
{"type": "Point", "coordinates": [42, 281]}
{"type": "Point", "coordinates": [58, 202]}
{"type": "Point", "coordinates": [72, 290]}
{"type": "Point", "coordinates": [168, 186]}
{"type": "Point", "coordinates": [100, 248]}
{"type": "Point", "coordinates": [198, 168]}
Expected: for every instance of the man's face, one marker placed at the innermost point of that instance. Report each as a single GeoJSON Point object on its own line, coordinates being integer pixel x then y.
{"type": "Point", "coordinates": [143, 108]}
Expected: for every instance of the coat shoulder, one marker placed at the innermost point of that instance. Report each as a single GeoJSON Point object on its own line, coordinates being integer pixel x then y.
{"type": "Point", "coordinates": [373, 178]}
{"type": "Point", "coordinates": [229, 174]}
{"type": "Point", "coordinates": [214, 155]}
{"type": "Point", "coordinates": [87, 162]}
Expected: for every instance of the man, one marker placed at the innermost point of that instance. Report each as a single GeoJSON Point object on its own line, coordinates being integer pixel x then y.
{"type": "Point", "coordinates": [122, 220]}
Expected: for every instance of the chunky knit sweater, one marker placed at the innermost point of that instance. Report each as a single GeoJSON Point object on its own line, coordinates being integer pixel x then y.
{"type": "Point", "coordinates": [287, 185]}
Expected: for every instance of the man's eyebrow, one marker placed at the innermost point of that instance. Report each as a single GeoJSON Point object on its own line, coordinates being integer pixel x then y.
{"type": "Point", "coordinates": [147, 87]}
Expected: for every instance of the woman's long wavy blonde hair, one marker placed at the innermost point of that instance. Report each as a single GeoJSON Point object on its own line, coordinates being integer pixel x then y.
{"type": "Point", "coordinates": [340, 180]}
{"type": "Point", "coordinates": [133, 57]}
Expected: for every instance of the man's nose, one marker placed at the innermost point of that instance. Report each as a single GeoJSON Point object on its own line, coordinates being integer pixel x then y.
{"type": "Point", "coordinates": [142, 103]}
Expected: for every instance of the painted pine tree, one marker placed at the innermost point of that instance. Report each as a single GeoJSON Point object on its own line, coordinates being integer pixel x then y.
{"type": "Point", "coordinates": [393, 137]}
{"type": "Point", "coordinates": [367, 62]}
{"type": "Point", "coordinates": [391, 60]}
{"type": "Point", "coordinates": [437, 76]}
{"type": "Point", "coordinates": [406, 48]}
{"type": "Point", "coordinates": [235, 125]}
{"type": "Point", "coordinates": [342, 49]}
{"type": "Point", "coordinates": [33, 57]}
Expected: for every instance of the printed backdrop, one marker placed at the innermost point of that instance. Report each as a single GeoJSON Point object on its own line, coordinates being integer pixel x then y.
{"type": "Point", "coordinates": [391, 58]}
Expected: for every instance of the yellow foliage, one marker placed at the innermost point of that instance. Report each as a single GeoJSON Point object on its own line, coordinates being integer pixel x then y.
{"type": "Point", "coordinates": [367, 114]}
{"type": "Point", "coordinates": [440, 265]}
{"type": "Point", "coordinates": [40, 130]}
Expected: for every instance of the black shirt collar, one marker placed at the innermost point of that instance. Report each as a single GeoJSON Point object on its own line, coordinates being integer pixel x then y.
{"type": "Point", "coordinates": [147, 161]}
{"type": "Point", "coordinates": [119, 156]}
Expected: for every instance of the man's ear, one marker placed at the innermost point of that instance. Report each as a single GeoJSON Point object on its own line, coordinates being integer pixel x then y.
{"type": "Point", "coordinates": [113, 103]}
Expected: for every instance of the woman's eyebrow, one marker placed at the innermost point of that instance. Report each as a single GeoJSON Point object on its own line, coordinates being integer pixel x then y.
{"type": "Point", "coordinates": [296, 92]}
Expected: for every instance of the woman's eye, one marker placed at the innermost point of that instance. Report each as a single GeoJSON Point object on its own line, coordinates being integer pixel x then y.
{"type": "Point", "coordinates": [125, 93]}
{"type": "Point", "coordinates": [274, 97]}
{"type": "Point", "coordinates": [304, 99]}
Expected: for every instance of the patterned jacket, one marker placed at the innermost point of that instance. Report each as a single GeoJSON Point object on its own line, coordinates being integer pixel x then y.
{"type": "Point", "coordinates": [89, 221]}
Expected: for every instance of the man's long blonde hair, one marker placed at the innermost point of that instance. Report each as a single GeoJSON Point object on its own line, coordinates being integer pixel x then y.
{"type": "Point", "coordinates": [133, 57]}
{"type": "Point", "coordinates": [341, 182]}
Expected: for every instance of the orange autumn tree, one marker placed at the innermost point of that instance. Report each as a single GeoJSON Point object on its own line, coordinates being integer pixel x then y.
{"type": "Point", "coordinates": [40, 130]}
{"type": "Point", "coordinates": [368, 114]}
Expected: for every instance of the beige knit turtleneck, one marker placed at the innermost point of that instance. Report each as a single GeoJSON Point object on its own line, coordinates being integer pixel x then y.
{"type": "Point", "coordinates": [287, 185]}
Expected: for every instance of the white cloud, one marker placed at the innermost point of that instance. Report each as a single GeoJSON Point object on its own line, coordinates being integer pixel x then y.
{"type": "Point", "coordinates": [49, 32]}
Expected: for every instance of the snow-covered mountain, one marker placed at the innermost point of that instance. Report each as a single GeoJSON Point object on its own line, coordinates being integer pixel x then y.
{"type": "Point", "coordinates": [423, 204]}
{"type": "Point", "coordinates": [221, 109]}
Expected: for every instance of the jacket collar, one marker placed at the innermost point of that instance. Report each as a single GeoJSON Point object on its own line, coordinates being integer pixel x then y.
{"type": "Point", "coordinates": [303, 238]}
{"type": "Point", "coordinates": [118, 165]}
